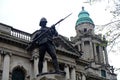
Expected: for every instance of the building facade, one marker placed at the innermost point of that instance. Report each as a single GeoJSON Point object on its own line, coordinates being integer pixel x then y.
{"type": "Point", "coordinates": [84, 57]}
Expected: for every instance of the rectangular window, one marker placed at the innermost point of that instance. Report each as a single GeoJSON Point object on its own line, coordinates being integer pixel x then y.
{"type": "Point", "coordinates": [97, 49]}
{"type": "Point", "coordinates": [85, 29]}
{"type": "Point", "coordinates": [76, 47]}
{"type": "Point", "coordinates": [98, 53]}
{"type": "Point", "coordinates": [81, 47]}
{"type": "Point", "coordinates": [103, 73]}
{"type": "Point", "coordinates": [86, 43]}
{"type": "Point", "coordinates": [61, 66]}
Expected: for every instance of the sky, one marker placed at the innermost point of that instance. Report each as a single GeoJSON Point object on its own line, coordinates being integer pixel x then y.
{"type": "Point", "coordinates": [26, 14]}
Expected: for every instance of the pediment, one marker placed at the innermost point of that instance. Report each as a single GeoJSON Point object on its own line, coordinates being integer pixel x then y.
{"type": "Point", "coordinates": [64, 43]}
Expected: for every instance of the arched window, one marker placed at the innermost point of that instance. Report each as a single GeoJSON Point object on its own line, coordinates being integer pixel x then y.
{"type": "Point", "coordinates": [18, 74]}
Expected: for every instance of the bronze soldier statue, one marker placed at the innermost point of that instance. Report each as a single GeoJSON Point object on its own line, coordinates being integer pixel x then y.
{"type": "Point", "coordinates": [43, 39]}
{"type": "Point", "coordinates": [45, 43]}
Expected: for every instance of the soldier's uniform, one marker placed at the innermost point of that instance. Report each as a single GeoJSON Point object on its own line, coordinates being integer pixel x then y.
{"type": "Point", "coordinates": [45, 43]}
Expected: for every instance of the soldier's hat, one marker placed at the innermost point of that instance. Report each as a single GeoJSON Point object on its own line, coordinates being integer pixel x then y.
{"type": "Point", "coordinates": [43, 20]}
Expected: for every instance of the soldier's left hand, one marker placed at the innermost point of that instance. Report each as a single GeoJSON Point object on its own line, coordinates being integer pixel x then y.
{"type": "Point", "coordinates": [53, 26]}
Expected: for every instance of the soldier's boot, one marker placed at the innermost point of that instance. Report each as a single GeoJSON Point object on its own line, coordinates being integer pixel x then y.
{"type": "Point", "coordinates": [40, 66]}
{"type": "Point", "coordinates": [57, 69]}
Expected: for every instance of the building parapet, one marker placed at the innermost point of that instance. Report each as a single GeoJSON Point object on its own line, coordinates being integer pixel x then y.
{"type": "Point", "coordinates": [8, 30]}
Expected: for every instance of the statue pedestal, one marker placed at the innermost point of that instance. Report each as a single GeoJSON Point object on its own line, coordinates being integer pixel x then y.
{"type": "Point", "coordinates": [51, 77]}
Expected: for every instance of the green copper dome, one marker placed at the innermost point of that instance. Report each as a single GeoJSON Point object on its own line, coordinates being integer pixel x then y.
{"type": "Point", "coordinates": [83, 17]}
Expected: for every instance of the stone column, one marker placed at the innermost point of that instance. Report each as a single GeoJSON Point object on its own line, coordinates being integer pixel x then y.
{"type": "Point", "coordinates": [106, 56]}
{"type": "Point", "coordinates": [91, 51]}
{"type": "Point", "coordinates": [36, 59]}
{"type": "Point", "coordinates": [83, 77]}
{"type": "Point", "coordinates": [66, 69]}
{"type": "Point", "coordinates": [45, 68]}
{"type": "Point", "coordinates": [79, 49]}
{"type": "Point", "coordinates": [73, 74]}
{"type": "Point", "coordinates": [6, 65]}
{"type": "Point", "coordinates": [101, 55]}
{"type": "Point", "coordinates": [0, 56]}
{"type": "Point", "coordinates": [82, 43]}
{"type": "Point", "coordinates": [95, 53]}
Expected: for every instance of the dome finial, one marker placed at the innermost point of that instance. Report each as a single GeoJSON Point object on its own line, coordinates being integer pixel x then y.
{"type": "Point", "coordinates": [83, 8]}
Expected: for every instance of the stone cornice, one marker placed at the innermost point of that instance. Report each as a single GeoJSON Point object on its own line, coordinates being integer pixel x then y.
{"type": "Point", "coordinates": [93, 37]}
{"type": "Point", "coordinates": [94, 76]}
{"type": "Point", "coordinates": [67, 53]}
{"type": "Point", "coordinates": [82, 62]}
{"type": "Point", "coordinates": [13, 40]}
{"type": "Point", "coordinates": [5, 51]}
{"type": "Point", "coordinates": [35, 56]}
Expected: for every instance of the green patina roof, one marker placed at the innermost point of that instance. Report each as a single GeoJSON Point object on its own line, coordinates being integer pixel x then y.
{"type": "Point", "coordinates": [83, 17]}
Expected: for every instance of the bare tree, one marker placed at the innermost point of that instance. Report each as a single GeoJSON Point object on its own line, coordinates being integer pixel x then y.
{"type": "Point", "coordinates": [112, 29]}
{"type": "Point", "coordinates": [112, 32]}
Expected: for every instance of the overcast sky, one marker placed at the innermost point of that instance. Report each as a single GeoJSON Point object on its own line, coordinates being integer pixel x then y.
{"type": "Point", "coordinates": [26, 14]}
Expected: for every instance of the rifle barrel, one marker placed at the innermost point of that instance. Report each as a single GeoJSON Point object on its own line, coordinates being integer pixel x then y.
{"type": "Point", "coordinates": [62, 19]}
{"type": "Point", "coordinates": [46, 31]}
{"type": "Point", "coordinates": [68, 16]}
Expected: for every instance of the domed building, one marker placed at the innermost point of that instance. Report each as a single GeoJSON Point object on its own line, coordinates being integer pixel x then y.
{"type": "Point", "coordinates": [84, 57]}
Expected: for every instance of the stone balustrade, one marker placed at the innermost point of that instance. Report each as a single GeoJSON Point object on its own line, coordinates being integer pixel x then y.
{"type": "Point", "coordinates": [20, 34]}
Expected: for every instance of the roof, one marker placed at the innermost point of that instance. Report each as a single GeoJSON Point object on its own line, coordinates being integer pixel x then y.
{"type": "Point", "coordinates": [83, 17]}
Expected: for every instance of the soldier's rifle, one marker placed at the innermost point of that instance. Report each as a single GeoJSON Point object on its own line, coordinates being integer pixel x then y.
{"type": "Point", "coordinates": [31, 43]}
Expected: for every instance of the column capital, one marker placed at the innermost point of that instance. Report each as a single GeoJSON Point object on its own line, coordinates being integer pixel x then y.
{"type": "Point", "coordinates": [35, 51]}
{"type": "Point", "coordinates": [72, 66]}
{"type": "Point", "coordinates": [66, 65]}
{"type": "Point", "coordinates": [1, 51]}
{"type": "Point", "coordinates": [46, 59]}
{"type": "Point", "coordinates": [7, 53]}
{"type": "Point", "coordinates": [83, 73]}
{"type": "Point", "coordinates": [35, 56]}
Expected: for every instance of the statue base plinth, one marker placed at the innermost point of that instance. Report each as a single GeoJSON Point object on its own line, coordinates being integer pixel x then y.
{"type": "Point", "coordinates": [51, 76]}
